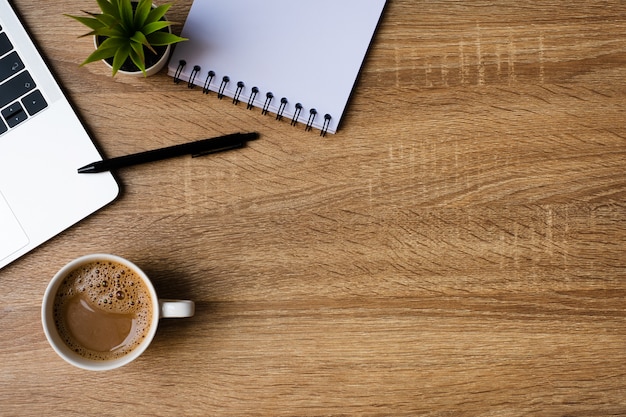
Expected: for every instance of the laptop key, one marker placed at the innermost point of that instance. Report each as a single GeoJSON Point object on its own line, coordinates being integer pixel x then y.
{"type": "Point", "coordinates": [10, 65]}
{"type": "Point", "coordinates": [14, 114]}
{"type": "Point", "coordinates": [34, 102]}
{"type": "Point", "coordinates": [3, 127]}
{"type": "Point", "coordinates": [15, 88]}
{"type": "Point", "coordinates": [5, 44]}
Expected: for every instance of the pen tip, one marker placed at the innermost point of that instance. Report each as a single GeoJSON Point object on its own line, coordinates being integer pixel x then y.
{"type": "Point", "coordinates": [86, 169]}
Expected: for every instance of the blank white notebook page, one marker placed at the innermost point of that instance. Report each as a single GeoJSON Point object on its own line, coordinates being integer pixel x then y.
{"type": "Point", "coordinates": [309, 53]}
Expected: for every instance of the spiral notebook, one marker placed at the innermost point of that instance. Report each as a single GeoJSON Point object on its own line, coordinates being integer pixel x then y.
{"type": "Point", "coordinates": [297, 60]}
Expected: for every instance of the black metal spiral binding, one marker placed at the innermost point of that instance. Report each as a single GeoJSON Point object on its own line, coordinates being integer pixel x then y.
{"type": "Point", "coordinates": [192, 77]}
{"type": "Point", "coordinates": [225, 81]}
{"type": "Point", "coordinates": [296, 114]}
{"type": "Point", "coordinates": [326, 125]}
{"type": "Point", "coordinates": [207, 82]}
{"type": "Point", "coordinates": [309, 123]}
{"type": "Point", "coordinates": [268, 99]}
{"type": "Point", "coordinates": [255, 91]}
{"type": "Point", "coordinates": [179, 70]}
{"type": "Point", "coordinates": [240, 86]}
{"type": "Point", "coordinates": [281, 109]}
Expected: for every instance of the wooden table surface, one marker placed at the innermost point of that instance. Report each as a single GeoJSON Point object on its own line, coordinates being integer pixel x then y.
{"type": "Point", "coordinates": [458, 248]}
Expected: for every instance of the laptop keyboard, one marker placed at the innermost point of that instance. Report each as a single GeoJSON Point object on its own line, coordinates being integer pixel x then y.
{"type": "Point", "coordinates": [19, 96]}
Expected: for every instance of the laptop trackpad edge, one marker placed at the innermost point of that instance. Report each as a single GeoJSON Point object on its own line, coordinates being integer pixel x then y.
{"type": "Point", "coordinates": [12, 235]}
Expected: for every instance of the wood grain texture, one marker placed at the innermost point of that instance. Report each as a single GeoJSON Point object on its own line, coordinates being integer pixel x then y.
{"type": "Point", "coordinates": [458, 248]}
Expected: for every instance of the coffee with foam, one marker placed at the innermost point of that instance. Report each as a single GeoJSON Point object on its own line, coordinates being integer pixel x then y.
{"type": "Point", "coordinates": [103, 310]}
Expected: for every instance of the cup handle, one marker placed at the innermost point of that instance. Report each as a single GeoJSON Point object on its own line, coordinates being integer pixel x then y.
{"type": "Point", "coordinates": [176, 308]}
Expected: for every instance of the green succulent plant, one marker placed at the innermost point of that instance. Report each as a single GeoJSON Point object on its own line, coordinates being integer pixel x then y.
{"type": "Point", "coordinates": [129, 31]}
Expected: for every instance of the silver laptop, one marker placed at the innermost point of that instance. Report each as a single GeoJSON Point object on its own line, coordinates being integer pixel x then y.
{"type": "Point", "coordinates": [42, 144]}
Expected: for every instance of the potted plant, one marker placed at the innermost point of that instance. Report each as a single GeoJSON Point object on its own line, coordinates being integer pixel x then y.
{"type": "Point", "coordinates": [131, 36]}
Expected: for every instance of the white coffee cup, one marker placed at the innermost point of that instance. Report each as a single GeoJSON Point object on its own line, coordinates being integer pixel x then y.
{"type": "Point", "coordinates": [160, 308]}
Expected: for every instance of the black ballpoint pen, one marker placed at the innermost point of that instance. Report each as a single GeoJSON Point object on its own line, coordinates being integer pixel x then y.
{"type": "Point", "coordinates": [197, 148]}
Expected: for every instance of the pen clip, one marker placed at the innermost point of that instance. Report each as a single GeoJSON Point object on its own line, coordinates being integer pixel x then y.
{"type": "Point", "coordinates": [224, 148]}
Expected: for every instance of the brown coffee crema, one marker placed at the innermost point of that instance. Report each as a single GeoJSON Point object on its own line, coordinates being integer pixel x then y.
{"type": "Point", "coordinates": [103, 310]}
